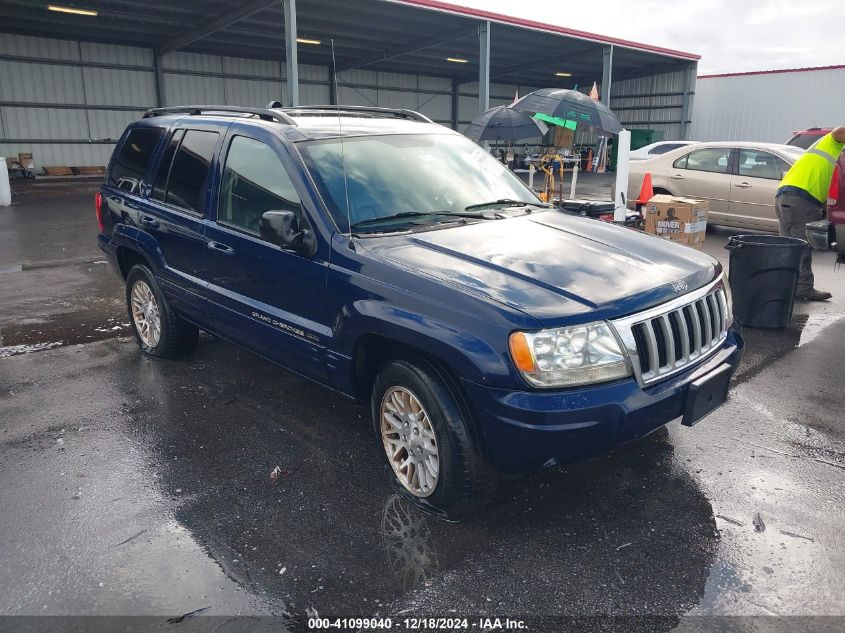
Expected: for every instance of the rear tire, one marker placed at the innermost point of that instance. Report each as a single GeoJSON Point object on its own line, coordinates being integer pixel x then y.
{"type": "Point", "coordinates": [159, 331]}
{"type": "Point", "coordinates": [416, 408]}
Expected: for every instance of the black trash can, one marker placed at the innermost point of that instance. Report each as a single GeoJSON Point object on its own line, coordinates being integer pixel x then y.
{"type": "Point", "coordinates": [764, 276]}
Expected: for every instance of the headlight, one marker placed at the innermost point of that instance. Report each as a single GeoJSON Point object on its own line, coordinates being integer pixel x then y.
{"type": "Point", "coordinates": [570, 356]}
{"type": "Point", "coordinates": [728, 298]}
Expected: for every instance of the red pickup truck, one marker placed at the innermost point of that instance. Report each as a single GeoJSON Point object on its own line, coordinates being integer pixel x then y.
{"type": "Point", "coordinates": [830, 232]}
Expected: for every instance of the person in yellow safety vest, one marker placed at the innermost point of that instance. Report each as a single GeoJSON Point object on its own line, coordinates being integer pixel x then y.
{"type": "Point", "coordinates": [802, 198]}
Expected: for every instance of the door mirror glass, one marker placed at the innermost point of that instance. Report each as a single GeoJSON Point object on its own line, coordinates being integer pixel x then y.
{"type": "Point", "coordinates": [282, 229]}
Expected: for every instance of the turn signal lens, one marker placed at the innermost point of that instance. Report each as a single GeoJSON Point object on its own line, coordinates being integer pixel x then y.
{"type": "Point", "coordinates": [521, 352]}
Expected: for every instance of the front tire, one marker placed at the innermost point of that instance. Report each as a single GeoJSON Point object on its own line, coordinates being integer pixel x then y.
{"type": "Point", "coordinates": [158, 331]}
{"type": "Point", "coordinates": [426, 435]}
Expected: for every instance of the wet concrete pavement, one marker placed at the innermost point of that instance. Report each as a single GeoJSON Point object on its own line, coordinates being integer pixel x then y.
{"type": "Point", "coordinates": [132, 486]}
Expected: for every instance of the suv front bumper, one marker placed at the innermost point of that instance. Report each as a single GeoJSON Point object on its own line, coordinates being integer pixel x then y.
{"type": "Point", "coordinates": [523, 430]}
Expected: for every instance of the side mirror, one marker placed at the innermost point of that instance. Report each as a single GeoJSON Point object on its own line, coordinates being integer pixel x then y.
{"type": "Point", "coordinates": [282, 229]}
{"type": "Point", "coordinates": [783, 174]}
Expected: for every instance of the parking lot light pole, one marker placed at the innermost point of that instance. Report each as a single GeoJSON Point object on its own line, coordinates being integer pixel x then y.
{"type": "Point", "coordinates": [484, 67]}
{"type": "Point", "coordinates": [292, 76]}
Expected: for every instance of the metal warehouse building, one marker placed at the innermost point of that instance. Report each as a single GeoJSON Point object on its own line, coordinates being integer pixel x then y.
{"type": "Point", "coordinates": [69, 82]}
{"type": "Point", "coordinates": [767, 105]}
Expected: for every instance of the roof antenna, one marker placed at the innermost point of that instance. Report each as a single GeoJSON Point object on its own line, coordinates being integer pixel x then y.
{"type": "Point", "coordinates": [342, 154]}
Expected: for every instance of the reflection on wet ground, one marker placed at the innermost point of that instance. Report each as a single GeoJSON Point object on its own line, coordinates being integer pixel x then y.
{"type": "Point", "coordinates": [135, 486]}
{"type": "Point", "coordinates": [330, 534]}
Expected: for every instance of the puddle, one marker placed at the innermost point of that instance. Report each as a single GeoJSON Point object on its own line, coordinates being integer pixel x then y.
{"type": "Point", "coordinates": [765, 346]}
{"type": "Point", "coordinates": [64, 329]}
{"type": "Point", "coordinates": [16, 350]}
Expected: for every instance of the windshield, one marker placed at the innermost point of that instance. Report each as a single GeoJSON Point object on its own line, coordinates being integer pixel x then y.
{"type": "Point", "coordinates": [410, 175]}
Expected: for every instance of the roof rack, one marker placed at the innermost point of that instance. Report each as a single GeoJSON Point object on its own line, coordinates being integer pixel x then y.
{"type": "Point", "coordinates": [262, 113]}
{"type": "Point", "coordinates": [397, 112]}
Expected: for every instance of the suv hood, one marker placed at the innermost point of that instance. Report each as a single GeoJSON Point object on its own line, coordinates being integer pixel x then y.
{"type": "Point", "coordinates": [553, 266]}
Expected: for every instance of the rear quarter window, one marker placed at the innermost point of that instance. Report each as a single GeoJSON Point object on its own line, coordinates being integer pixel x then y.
{"type": "Point", "coordinates": [804, 141]}
{"type": "Point", "coordinates": [666, 147]}
{"type": "Point", "coordinates": [130, 164]}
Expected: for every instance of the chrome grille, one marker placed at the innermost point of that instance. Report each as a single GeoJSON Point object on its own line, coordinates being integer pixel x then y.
{"type": "Point", "coordinates": [671, 337]}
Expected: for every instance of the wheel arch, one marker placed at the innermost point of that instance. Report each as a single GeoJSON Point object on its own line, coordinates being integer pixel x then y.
{"type": "Point", "coordinates": [128, 257]}
{"type": "Point", "coordinates": [373, 351]}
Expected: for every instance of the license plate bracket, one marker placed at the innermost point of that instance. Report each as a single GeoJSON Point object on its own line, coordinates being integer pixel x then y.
{"type": "Point", "coordinates": [707, 394]}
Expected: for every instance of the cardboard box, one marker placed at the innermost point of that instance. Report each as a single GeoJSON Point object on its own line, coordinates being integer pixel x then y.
{"type": "Point", "coordinates": [25, 160]}
{"type": "Point", "coordinates": [681, 220]}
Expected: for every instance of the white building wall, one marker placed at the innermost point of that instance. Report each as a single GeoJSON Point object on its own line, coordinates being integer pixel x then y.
{"type": "Point", "coordinates": [767, 107]}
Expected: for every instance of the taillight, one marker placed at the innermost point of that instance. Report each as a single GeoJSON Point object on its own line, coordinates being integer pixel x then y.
{"type": "Point", "coordinates": [833, 194]}
{"type": "Point", "coordinates": [98, 206]}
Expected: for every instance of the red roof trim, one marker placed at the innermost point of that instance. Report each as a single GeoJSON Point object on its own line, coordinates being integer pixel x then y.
{"type": "Point", "coordinates": [446, 7]}
{"type": "Point", "coordinates": [774, 72]}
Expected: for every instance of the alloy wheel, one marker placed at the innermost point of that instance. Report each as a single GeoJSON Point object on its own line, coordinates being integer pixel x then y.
{"type": "Point", "coordinates": [145, 313]}
{"type": "Point", "coordinates": [409, 441]}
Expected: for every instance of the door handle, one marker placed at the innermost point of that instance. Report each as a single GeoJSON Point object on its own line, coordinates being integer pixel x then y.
{"type": "Point", "coordinates": [148, 221]}
{"type": "Point", "coordinates": [677, 177]}
{"type": "Point", "coordinates": [742, 185]}
{"type": "Point", "coordinates": [220, 249]}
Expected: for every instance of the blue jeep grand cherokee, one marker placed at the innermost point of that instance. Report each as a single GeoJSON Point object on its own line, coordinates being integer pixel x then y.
{"type": "Point", "coordinates": [393, 260]}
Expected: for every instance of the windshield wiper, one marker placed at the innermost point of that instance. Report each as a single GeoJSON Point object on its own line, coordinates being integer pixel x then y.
{"type": "Point", "coordinates": [501, 201]}
{"type": "Point", "coordinates": [415, 214]}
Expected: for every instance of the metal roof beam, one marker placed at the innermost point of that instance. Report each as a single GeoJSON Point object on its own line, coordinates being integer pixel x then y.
{"type": "Point", "coordinates": [535, 64]}
{"type": "Point", "coordinates": [218, 24]}
{"type": "Point", "coordinates": [411, 47]}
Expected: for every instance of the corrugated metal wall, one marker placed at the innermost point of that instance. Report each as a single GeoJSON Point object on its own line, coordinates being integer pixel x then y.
{"type": "Point", "coordinates": [500, 94]}
{"type": "Point", "coordinates": [76, 95]}
{"type": "Point", "coordinates": [767, 107]}
{"type": "Point", "coordinates": [655, 102]}
{"type": "Point", "coordinates": [67, 102]}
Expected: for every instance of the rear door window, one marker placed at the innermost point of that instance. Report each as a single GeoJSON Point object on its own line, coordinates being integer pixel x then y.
{"type": "Point", "coordinates": [756, 164]}
{"type": "Point", "coordinates": [712, 159]}
{"type": "Point", "coordinates": [189, 172]}
{"type": "Point", "coordinates": [164, 164]}
{"type": "Point", "coordinates": [130, 163]}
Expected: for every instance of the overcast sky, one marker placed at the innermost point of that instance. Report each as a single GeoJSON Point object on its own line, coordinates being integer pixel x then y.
{"type": "Point", "coordinates": [730, 35]}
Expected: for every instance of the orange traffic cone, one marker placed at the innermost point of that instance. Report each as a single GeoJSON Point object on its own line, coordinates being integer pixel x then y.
{"type": "Point", "coordinates": [646, 191]}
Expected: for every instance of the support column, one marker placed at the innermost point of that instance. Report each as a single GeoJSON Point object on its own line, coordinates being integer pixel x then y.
{"type": "Point", "coordinates": [332, 86]}
{"type": "Point", "coordinates": [483, 66]}
{"type": "Point", "coordinates": [159, 81]}
{"type": "Point", "coordinates": [456, 104]}
{"type": "Point", "coordinates": [607, 74]}
{"type": "Point", "coordinates": [689, 98]}
{"type": "Point", "coordinates": [290, 52]}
